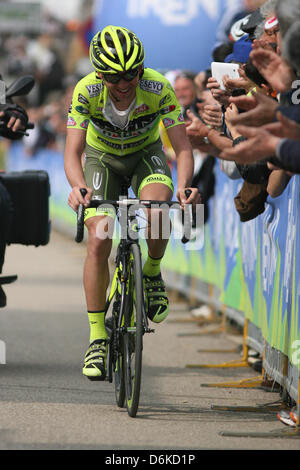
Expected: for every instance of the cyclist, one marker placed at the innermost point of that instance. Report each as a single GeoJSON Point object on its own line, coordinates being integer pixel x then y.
{"type": "Point", "coordinates": [114, 121]}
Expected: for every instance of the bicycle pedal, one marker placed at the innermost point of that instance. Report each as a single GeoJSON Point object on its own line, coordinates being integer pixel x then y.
{"type": "Point", "coordinates": [8, 279]}
{"type": "Point", "coordinates": [149, 330]}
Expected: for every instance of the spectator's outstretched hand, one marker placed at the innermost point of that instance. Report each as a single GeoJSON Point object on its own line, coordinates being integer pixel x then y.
{"type": "Point", "coordinates": [213, 115]}
{"type": "Point", "coordinates": [263, 113]}
{"type": "Point", "coordinates": [260, 144]}
{"type": "Point", "coordinates": [221, 96]}
{"type": "Point", "coordinates": [231, 112]}
{"type": "Point", "coordinates": [274, 69]}
{"type": "Point", "coordinates": [195, 127]}
{"type": "Point", "coordinates": [241, 82]}
{"type": "Point", "coordinates": [244, 102]}
{"type": "Point", "coordinates": [285, 127]}
{"type": "Point", "coordinates": [262, 44]}
{"type": "Point", "coordinates": [196, 131]}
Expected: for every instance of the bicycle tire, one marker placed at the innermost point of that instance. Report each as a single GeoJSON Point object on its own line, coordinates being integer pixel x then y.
{"type": "Point", "coordinates": [118, 369]}
{"type": "Point", "coordinates": [133, 333]}
{"type": "Point", "coordinates": [119, 381]}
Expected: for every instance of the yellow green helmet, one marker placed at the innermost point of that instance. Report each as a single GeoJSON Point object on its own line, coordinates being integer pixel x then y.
{"type": "Point", "coordinates": [115, 49]}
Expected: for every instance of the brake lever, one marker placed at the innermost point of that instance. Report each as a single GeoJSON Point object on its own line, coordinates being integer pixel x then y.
{"type": "Point", "coordinates": [188, 219]}
{"type": "Point", "coordinates": [80, 218]}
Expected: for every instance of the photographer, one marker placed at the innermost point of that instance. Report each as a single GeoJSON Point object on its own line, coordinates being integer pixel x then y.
{"type": "Point", "coordinates": [13, 121]}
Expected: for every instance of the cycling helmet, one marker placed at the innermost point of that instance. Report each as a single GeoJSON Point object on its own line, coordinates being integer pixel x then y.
{"type": "Point", "coordinates": [115, 49]}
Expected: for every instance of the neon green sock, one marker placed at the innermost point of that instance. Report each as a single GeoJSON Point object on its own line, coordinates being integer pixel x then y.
{"type": "Point", "coordinates": [152, 266]}
{"type": "Point", "coordinates": [97, 326]}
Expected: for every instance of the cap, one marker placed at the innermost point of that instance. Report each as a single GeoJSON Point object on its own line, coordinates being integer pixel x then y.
{"type": "Point", "coordinates": [253, 21]}
{"type": "Point", "coordinates": [271, 23]}
{"type": "Point", "coordinates": [236, 31]}
{"type": "Point", "coordinates": [241, 51]}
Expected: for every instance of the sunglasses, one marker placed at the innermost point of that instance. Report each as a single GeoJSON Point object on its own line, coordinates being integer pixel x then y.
{"type": "Point", "coordinates": [115, 78]}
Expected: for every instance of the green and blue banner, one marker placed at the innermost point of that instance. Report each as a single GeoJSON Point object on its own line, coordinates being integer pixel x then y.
{"type": "Point", "coordinates": [255, 264]}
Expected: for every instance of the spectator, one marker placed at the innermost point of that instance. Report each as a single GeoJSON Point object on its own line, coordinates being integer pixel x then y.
{"type": "Point", "coordinates": [185, 90]}
{"type": "Point", "coordinates": [49, 71]}
{"type": "Point", "coordinates": [234, 11]}
{"type": "Point", "coordinates": [280, 73]}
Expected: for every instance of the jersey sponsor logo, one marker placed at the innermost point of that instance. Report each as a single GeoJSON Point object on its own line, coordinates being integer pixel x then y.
{"type": "Point", "coordinates": [152, 86]}
{"type": "Point", "coordinates": [156, 179]}
{"type": "Point", "coordinates": [168, 122]}
{"type": "Point", "coordinates": [137, 126]}
{"type": "Point", "coordinates": [71, 121]}
{"type": "Point", "coordinates": [85, 124]}
{"type": "Point", "coordinates": [94, 90]}
{"type": "Point", "coordinates": [97, 180]}
{"type": "Point", "coordinates": [165, 100]}
{"type": "Point", "coordinates": [122, 135]}
{"type": "Point", "coordinates": [143, 122]}
{"type": "Point", "coordinates": [156, 160]}
{"type": "Point", "coordinates": [124, 146]}
{"type": "Point", "coordinates": [82, 110]}
{"type": "Point", "coordinates": [140, 109]}
{"type": "Point", "coordinates": [168, 109]}
{"type": "Point", "coordinates": [82, 99]}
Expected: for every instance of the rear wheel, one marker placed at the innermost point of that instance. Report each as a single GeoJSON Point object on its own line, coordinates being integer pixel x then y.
{"type": "Point", "coordinates": [119, 381]}
{"type": "Point", "coordinates": [133, 334]}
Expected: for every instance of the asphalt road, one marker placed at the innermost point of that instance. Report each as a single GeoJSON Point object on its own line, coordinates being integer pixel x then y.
{"type": "Point", "coordinates": [45, 402]}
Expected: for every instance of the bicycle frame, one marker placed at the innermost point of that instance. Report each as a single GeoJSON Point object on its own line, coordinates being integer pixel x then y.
{"type": "Point", "coordinates": [120, 279]}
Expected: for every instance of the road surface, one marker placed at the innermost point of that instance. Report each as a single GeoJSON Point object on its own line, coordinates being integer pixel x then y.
{"type": "Point", "coordinates": [45, 402]}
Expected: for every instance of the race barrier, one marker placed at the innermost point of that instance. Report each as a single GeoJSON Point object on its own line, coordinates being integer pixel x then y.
{"type": "Point", "coordinates": [250, 272]}
{"type": "Point", "coordinates": [253, 272]}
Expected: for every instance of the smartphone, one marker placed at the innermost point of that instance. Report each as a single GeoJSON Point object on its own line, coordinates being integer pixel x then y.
{"type": "Point", "coordinates": [219, 69]}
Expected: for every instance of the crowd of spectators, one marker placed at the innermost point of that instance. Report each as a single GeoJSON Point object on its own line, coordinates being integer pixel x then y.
{"type": "Point", "coordinates": [57, 58]}
{"type": "Point", "coordinates": [251, 124]}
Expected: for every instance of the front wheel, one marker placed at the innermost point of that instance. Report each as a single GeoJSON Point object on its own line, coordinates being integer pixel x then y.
{"type": "Point", "coordinates": [118, 362]}
{"type": "Point", "coordinates": [133, 332]}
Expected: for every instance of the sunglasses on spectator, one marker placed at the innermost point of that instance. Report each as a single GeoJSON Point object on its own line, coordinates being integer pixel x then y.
{"type": "Point", "coordinates": [115, 78]}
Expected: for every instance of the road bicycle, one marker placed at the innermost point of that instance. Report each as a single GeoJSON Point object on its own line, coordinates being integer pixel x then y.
{"type": "Point", "coordinates": [128, 322]}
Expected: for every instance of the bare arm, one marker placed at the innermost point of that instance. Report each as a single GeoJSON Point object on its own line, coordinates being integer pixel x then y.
{"type": "Point", "coordinates": [196, 131]}
{"type": "Point", "coordinates": [75, 144]}
{"type": "Point", "coordinates": [219, 140]}
{"type": "Point", "coordinates": [185, 163]}
{"type": "Point", "coordinates": [278, 181]}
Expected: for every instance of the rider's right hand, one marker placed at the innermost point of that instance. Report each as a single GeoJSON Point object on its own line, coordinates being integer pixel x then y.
{"type": "Point", "coordinates": [75, 197]}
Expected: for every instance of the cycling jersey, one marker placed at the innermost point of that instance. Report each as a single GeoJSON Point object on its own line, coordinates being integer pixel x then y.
{"type": "Point", "coordinates": [155, 101]}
